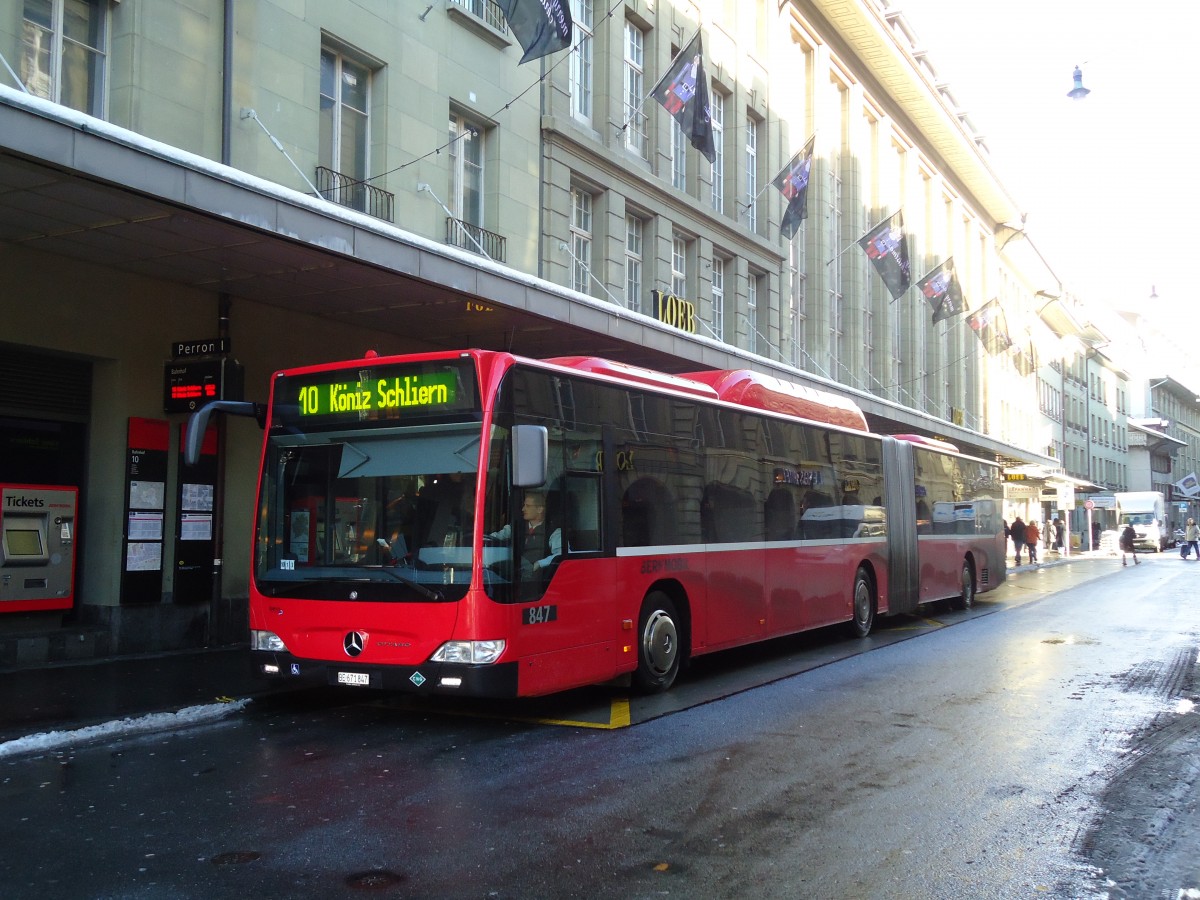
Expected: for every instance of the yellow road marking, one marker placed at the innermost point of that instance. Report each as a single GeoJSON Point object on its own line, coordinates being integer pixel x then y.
{"type": "Point", "coordinates": [618, 717]}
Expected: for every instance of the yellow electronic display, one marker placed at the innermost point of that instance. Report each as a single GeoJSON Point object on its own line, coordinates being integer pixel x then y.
{"type": "Point", "coordinates": [382, 393]}
{"type": "Point", "coordinates": [421, 391]}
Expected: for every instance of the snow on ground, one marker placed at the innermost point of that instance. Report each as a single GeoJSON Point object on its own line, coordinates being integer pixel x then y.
{"type": "Point", "coordinates": [54, 740]}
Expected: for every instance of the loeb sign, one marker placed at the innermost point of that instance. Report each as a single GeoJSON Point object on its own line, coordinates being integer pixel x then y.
{"type": "Point", "coordinates": [674, 311]}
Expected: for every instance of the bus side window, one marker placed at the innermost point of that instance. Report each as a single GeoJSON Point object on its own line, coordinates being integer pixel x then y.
{"type": "Point", "coordinates": [583, 514]}
{"type": "Point", "coordinates": [780, 515]}
{"type": "Point", "coordinates": [728, 514]}
{"type": "Point", "coordinates": [647, 514]}
{"type": "Point", "coordinates": [815, 524]}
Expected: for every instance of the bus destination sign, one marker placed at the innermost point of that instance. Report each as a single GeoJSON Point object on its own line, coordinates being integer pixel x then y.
{"type": "Point", "coordinates": [421, 391]}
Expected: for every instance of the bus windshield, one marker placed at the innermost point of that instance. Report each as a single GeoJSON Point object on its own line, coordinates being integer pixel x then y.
{"type": "Point", "coordinates": [368, 488]}
{"type": "Point", "coordinates": [391, 511]}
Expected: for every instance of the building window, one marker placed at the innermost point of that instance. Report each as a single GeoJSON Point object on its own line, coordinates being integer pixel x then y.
{"type": "Point", "coordinates": [635, 230]}
{"type": "Point", "coordinates": [836, 297]}
{"type": "Point", "coordinates": [718, 166]}
{"type": "Point", "coordinates": [63, 52]}
{"type": "Point", "coordinates": [898, 341]}
{"type": "Point", "coordinates": [678, 156]}
{"type": "Point", "coordinates": [581, 239]}
{"type": "Point", "coordinates": [466, 198]}
{"type": "Point", "coordinates": [799, 300]}
{"type": "Point", "coordinates": [914, 382]}
{"type": "Point", "coordinates": [581, 60]}
{"type": "Point", "coordinates": [868, 324]}
{"type": "Point", "coordinates": [752, 312]}
{"type": "Point", "coordinates": [718, 297]}
{"type": "Point", "coordinates": [635, 80]}
{"type": "Point", "coordinates": [679, 267]}
{"type": "Point", "coordinates": [751, 174]}
{"type": "Point", "coordinates": [344, 134]}
{"type": "Point", "coordinates": [466, 170]}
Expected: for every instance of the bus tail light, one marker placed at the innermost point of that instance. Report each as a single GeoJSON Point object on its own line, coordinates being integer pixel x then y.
{"type": "Point", "coordinates": [267, 640]}
{"type": "Point", "coordinates": [470, 652]}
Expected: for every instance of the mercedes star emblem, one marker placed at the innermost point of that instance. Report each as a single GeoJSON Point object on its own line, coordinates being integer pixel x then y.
{"type": "Point", "coordinates": [354, 643]}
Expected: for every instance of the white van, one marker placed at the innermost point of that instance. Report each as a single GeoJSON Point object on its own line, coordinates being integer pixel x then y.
{"type": "Point", "coordinates": [1146, 512]}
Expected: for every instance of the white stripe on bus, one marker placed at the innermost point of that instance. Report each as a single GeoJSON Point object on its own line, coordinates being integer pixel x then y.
{"type": "Point", "coordinates": [679, 549]}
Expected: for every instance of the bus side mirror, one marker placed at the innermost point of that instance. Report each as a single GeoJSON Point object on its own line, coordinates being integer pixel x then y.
{"type": "Point", "coordinates": [529, 455]}
{"type": "Point", "coordinates": [197, 423]}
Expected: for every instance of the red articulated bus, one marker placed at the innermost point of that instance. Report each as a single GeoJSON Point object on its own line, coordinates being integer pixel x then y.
{"type": "Point", "coordinates": [481, 524]}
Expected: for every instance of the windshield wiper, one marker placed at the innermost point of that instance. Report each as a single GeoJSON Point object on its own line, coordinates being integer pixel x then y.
{"type": "Point", "coordinates": [427, 593]}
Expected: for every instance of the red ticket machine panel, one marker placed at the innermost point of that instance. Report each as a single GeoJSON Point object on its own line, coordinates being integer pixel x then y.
{"type": "Point", "coordinates": [37, 546]}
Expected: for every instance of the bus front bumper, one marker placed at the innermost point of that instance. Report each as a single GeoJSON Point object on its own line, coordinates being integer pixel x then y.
{"type": "Point", "coordinates": [447, 679]}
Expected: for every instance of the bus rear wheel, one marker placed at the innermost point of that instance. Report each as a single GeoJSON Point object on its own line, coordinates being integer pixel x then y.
{"type": "Point", "coordinates": [864, 605]}
{"type": "Point", "coordinates": [966, 599]}
{"type": "Point", "coordinates": [658, 644]}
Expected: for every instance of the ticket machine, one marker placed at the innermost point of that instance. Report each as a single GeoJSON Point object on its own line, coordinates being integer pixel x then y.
{"type": "Point", "coordinates": [37, 546]}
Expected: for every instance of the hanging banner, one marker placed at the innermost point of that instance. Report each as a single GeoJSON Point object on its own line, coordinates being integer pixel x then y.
{"type": "Point", "coordinates": [792, 182]}
{"type": "Point", "coordinates": [940, 288]}
{"type": "Point", "coordinates": [886, 245]}
{"type": "Point", "coordinates": [683, 92]}
{"type": "Point", "coordinates": [991, 327]}
{"type": "Point", "coordinates": [541, 27]}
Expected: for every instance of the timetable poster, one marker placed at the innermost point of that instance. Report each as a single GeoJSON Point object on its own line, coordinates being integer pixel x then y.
{"type": "Point", "coordinates": [195, 530]}
{"type": "Point", "coordinates": [145, 509]}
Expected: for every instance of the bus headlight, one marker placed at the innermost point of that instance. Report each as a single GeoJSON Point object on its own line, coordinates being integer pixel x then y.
{"type": "Point", "coordinates": [471, 652]}
{"type": "Point", "coordinates": [267, 640]}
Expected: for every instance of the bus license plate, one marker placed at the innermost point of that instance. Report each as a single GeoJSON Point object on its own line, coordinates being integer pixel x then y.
{"type": "Point", "coordinates": [361, 678]}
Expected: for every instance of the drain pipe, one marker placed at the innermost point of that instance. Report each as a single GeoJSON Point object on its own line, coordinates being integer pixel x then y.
{"type": "Point", "coordinates": [227, 85]}
{"type": "Point", "coordinates": [542, 194]}
{"type": "Point", "coordinates": [216, 618]}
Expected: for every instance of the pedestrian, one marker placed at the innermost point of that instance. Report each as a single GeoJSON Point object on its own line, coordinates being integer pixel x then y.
{"type": "Point", "coordinates": [1191, 535]}
{"type": "Point", "coordinates": [1059, 533]}
{"type": "Point", "coordinates": [1017, 532]}
{"type": "Point", "coordinates": [1033, 537]}
{"type": "Point", "coordinates": [1127, 537]}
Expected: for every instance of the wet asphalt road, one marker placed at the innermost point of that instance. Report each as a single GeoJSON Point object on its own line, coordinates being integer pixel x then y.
{"type": "Point", "coordinates": [1048, 749]}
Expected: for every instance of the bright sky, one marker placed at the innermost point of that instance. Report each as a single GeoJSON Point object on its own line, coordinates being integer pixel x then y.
{"type": "Point", "coordinates": [1110, 182]}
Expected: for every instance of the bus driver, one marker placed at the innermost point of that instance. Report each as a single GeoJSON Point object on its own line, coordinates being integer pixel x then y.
{"type": "Point", "coordinates": [537, 551]}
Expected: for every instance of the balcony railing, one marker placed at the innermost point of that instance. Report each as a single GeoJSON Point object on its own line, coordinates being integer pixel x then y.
{"type": "Point", "coordinates": [460, 234]}
{"type": "Point", "coordinates": [487, 10]}
{"type": "Point", "coordinates": [350, 192]}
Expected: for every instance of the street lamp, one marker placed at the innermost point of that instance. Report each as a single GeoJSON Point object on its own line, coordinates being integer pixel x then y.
{"type": "Point", "coordinates": [1079, 91]}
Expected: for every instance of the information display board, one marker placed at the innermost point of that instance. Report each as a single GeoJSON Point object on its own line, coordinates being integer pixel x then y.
{"type": "Point", "coordinates": [190, 383]}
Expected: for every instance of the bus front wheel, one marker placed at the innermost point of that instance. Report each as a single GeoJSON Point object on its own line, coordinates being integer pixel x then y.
{"type": "Point", "coordinates": [864, 605]}
{"type": "Point", "coordinates": [658, 644]}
